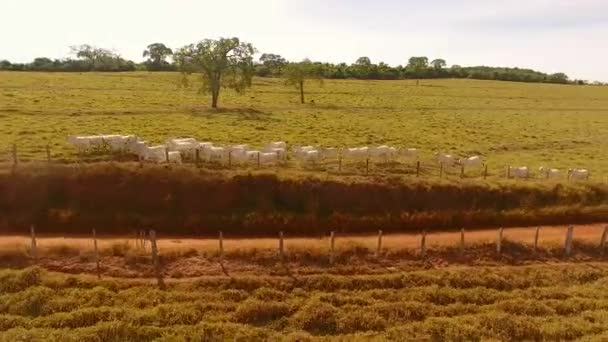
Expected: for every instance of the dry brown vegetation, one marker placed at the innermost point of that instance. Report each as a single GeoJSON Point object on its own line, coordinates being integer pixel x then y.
{"type": "Point", "coordinates": [118, 198]}
{"type": "Point", "coordinates": [187, 257]}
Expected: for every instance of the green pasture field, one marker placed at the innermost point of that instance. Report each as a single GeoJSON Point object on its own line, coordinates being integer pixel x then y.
{"type": "Point", "coordinates": [528, 303]}
{"type": "Point", "coordinates": [558, 126]}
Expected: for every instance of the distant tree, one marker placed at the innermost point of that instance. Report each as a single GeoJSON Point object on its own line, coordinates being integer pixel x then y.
{"type": "Point", "coordinates": [99, 59]}
{"type": "Point", "coordinates": [418, 64]}
{"type": "Point", "coordinates": [4, 64]}
{"type": "Point", "coordinates": [362, 68]}
{"type": "Point", "coordinates": [363, 61]}
{"type": "Point", "coordinates": [274, 63]}
{"type": "Point", "coordinates": [298, 73]}
{"type": "Point", "coordinates": [222, 63]}
{"type": "Point", "coordinates": [456, 66]}
{"type": "Point", "coordinates": [559, 77]}
{"type": "Point", "coordinates": [438, 63]}
{"type": "Point", "coordinates": [157, 54]}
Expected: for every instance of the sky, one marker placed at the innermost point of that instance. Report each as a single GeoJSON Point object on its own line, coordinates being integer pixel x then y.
{"type": "Point", "coordinates": [569, 36]}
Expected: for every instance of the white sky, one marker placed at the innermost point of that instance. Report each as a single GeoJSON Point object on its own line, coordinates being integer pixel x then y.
{"type": "Point", "coordinates": [570, 36]}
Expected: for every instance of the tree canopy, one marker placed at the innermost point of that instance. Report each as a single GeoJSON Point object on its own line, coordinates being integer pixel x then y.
{"type": "Point", "coordinates": [273, 63]}
{"type": "Point", "coordinates": [222, 63]}
{"type": "Point", "coordinates": [157, 54]}
{"type": "Point", "coordinates": [296, 74]}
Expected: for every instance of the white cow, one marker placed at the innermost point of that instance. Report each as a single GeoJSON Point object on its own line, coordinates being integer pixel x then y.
{"type": "Point", "coordinates": [82, 143]}
{"type": "Point", "coordinates": [276, 144]}
{"type": "Point", "coordinates": [121, 143]}
{"type": "Point", "coordinates": [578, 174]}
{"type": "Point", "coordinates": [154, 153]}
{"type": "Point", "coordinates": [519, 171]}
{"type": "Point", "coordinates": [311, 156]}
{"type": "Point", "coordinates": [445, 159]}
{"type": "Point", "coordinates": [174, 157]}
{"type": "Point", "coordinates": [383, 152]}
{"type": "Point", "coordinates": [549, 173]}
{"type": "Point", "coordinates": [473, 161]}
{"type": "Point", "coordinates": [215, 153]}
{"type": "Point", "coordinates": [268, 157]}
{"type": "Point", "coordinates": [356, 152]}
{"type": "Point", "coordinates": [410, 152]}
{"type": "Point", "coordinates": [329, 152]}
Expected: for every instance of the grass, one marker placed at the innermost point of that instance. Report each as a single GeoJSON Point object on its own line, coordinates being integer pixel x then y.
{"type": "Point", "coordinates": [534, 302]}
{"type": "Point", "coordinates": [508, 123]}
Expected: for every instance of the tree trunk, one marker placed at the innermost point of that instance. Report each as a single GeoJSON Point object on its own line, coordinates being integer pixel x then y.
{"type": "Point", "coordinates": [302, 91]}
{"type": "Point", "coordinates": [215, 94]}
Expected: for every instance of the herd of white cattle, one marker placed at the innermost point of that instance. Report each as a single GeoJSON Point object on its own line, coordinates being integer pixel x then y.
{"type": "Point", "coordinates": [177, 149]}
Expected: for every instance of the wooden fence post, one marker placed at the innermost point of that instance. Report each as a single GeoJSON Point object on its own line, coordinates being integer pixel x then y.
{"type": "Point", "coordinates": [603, 240]}
{"type": "Point", "coordinates": [462, 241]}
{"type": "Point", "coordinates": [281, 247]}
{"type": "Point", "coordinates": [229, 159]}
{"type": "Point", "coordinates": [167, 155]}
{"type": "Point", "coordinates": [423, 244]}
{"type": "Point", "coordinates": [462, 171]}
{"type": "Point", "coordinates": [197, 157]}
{"type": "Point", "coordinates": [258, 160]}
{"type": "Point", "coordinates": [15, 156]}
{"type": "Point", "coordinates": [155, 260]}
{"type": "Point", "coordinates": [418, 168]}
{"type": "Point", "coordinates": [48, 153]}
{"type": "Point", "coordinates": [508, 173]}
{"type": "Point", "coordinates": [367, 166]}
{"type": "Point", "coordinates": [379, 246]}
{"type": "Point", "coordinates": [440, 170]}
{"type": "Point", "coordinates": [34, 245]}
{"type": "Point", "coordinates": [499, 241]}
{"type": "Point", "coordinates": [332, 245]}
{"type": "Point", "coordinates": [485, 171]}
{"type": "Point", "coordinates": [568, 242]}
{"type": "Point", "coordinates": [340, 163]}
{"type": "Point", "coordinates": [536, 239]}
{"type": "Point", "coordinates": [96, 251]}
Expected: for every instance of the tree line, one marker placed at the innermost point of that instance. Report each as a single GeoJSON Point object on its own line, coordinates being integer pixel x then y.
{"type": "Point", "coordinates": [159, 57]}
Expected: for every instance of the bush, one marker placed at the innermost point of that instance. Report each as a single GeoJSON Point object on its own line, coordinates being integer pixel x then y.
{"type": "Point", "coordinates": [266, 293]}
{"type": "Point", "coordinates": [30, 302]}
{"type": "Point", "coordinates": [402, 312]}
{"type": "Point", "coordinates": [12, 321]}
{"type": "Point", "coordinates": [316, 317]}
{"type": "Point", "coordinates": [443, 329]}
{"type": "Point", "coordinates": [356, 320]}
{"type": "Point", "coordinates": [14, 281]}
{"type": "Point", "coordinates": [255, 311]}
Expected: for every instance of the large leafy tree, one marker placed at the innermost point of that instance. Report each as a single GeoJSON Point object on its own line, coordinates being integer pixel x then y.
{"type": "Point", "coordinates": [297, 74]}
{"type": "Point", "coordinates": [157, 54]}
{"type": "Point", "coordinates": [221, 63]}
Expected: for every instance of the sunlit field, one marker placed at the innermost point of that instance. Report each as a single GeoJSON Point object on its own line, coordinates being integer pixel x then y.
{"type": "Point", "coordinates": [559, 126]}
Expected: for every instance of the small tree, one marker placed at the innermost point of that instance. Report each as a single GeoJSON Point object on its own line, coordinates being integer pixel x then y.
{"type": "Point", "coordinates": [438, 63]}
{"type": "Point", "coordinates": [222, 63]}
{"type": "Point", "coordinates": [157, 54]}
{"type": "Point", "coordinates": [297, 74]}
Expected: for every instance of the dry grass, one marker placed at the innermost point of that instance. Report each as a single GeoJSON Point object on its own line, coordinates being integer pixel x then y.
{"type": "Point", "coordinates": [549, 235]}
